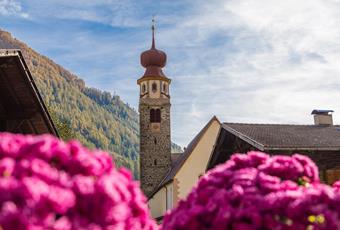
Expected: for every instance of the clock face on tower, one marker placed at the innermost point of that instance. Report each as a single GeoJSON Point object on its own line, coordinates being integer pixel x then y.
{"type": "Point", "coordinates": [155, 127]}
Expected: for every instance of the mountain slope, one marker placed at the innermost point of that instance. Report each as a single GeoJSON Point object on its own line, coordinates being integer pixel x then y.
{"type": "Point", "coordinates": [97, 119]}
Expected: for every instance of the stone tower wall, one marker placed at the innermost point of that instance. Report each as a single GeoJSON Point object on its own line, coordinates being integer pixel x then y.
{"type": "Point", "coordinates": [155, 143]}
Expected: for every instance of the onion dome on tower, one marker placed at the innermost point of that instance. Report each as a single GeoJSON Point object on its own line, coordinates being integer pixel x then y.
{"type": "Point", "coordinates": [153, 59]}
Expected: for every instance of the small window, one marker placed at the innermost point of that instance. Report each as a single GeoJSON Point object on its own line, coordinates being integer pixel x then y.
{"type": "Point", "coordinates": [152, 115]}
{"type": "Point", "coordinates": [155, 140]}
{"type": "Point", "coordinates": [164, 88]}
{"type": "Point", "coordinates": [155, 115]}
{"type": "Point", "coordinates": [143, 88]}
{"type": "Point", "coordinates": [155, 161]}
{"type": "Point", "coordinates": [154, 87]}
{"type": "Point", "coordinates": [158, 115]}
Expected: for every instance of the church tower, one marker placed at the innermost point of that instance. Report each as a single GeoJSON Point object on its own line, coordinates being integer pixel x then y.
{"type": "Point", "coordinates": [154, 119]}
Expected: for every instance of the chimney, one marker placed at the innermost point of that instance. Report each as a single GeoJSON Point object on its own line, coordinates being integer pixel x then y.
{"type": "Point", "coordinates": [322, 117]}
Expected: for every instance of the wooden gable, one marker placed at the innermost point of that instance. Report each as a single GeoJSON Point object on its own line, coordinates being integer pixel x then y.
{"type": "Point", "coordinates": [22, 109]}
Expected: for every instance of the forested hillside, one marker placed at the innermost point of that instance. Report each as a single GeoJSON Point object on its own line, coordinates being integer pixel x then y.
{"type": "Point", "coordinates": [97, 119]}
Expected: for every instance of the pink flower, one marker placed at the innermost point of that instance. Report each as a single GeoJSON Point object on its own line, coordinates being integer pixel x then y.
{"type": "Point", "coordinates": [7, 165]}
{"type": "Point", "coordinates": [255, 191]}
{"type": "Point", "coordinates": [48, 184]}
{"type": "Point", "coordinates": [336, 186]}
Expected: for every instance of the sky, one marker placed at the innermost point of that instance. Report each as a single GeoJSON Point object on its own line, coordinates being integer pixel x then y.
{"type": "Point", "coordinates": [254, 61]}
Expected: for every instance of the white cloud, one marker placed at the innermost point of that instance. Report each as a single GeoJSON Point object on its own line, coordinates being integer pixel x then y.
{"type": "Point", "coordinates": [115, 13]}
{"type": "Point", "coordinates": [280, 60]}
{"type": "Point", "coordinates": [12, 8]}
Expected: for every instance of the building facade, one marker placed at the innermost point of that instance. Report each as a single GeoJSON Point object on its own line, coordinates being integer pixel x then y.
{"type": "Point", "coordinates": [154, 112]}
{"type": "Point", "coordinates": [217, 141]}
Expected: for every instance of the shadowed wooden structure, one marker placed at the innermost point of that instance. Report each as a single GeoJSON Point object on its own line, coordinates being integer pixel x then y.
{"type": "Point", "coordinates": [22, 109]}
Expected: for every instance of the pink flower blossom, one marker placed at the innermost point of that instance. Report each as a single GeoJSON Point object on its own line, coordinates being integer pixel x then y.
{"type": "Point", "coordinates": [48, 184]}
{"type": "Point", "coordinates": [256, 191]}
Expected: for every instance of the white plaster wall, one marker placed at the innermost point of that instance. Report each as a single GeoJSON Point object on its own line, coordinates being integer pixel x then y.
{"type": "Point", "coordinates": [157, 204]}
{"type": "Point", "coordinates": [197, 162]}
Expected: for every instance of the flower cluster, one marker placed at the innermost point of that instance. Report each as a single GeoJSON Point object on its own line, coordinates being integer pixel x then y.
{"type": "Point", "coordinates": [256, 191]}
{"type": "Point", "coordinates": [48, 184]}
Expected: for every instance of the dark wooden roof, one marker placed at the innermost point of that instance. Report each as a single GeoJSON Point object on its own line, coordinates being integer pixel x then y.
{"type": "Point", "coordinates": [182, 158]}
{"type": "Point", "coordinates": [287, 137]}
{"type": "Point", "coordinates": [22, 109]}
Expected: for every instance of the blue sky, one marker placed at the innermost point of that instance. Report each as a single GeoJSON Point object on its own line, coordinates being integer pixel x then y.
{"type": "Point", "coordinates": [261, 61]}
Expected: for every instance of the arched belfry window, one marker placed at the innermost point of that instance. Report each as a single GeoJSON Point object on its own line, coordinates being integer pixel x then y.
{"type": "Point", "coordinates": [158, 115]}
{"type": "Point", "coordinates": [154, 87]}
{"type": "Point", "coordinates": [143, 88]}
{"type": "Point", "coordinates": [155, 115]}
{"type": "Point", "coordinates": [152, 115]}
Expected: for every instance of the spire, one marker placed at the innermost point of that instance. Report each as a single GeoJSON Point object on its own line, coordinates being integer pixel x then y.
{"type": "Point", "coordinates": [153, 33]}
{"type": "Point", "coordinates": [153, 59]}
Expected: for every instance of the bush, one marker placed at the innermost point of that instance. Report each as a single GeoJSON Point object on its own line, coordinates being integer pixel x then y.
{"type": "Point", "coordinates": [256, 191]}
{"type": "Point", "coordinates": [48, 184]}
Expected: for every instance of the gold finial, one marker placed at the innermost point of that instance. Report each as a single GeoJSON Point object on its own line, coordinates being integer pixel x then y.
{"type": "Point", "coordinates": [153, 32]}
